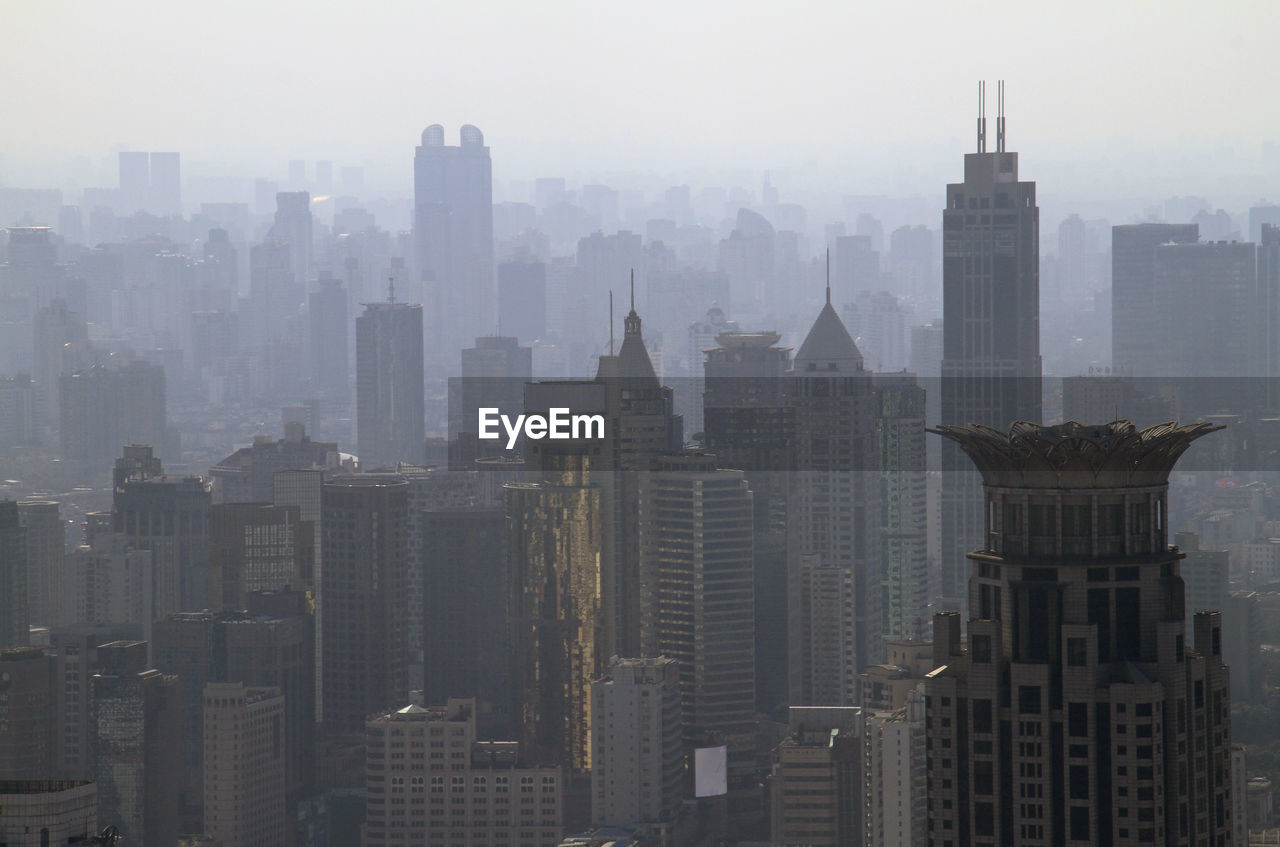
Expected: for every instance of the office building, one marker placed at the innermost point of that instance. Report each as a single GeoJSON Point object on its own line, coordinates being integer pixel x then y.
{"type": "Point", "coordinates": [702, 338]}
{"type": "Point", "coordinates": [896, 776]}
{"type": "Point", "coordinates": [818, 779]}
{"type": "Point", "coordinates": [270, 644]}
{"type": "Point", "coordinates": [106, 581]}
{"type": "Point", "coordinates": [275, 294]}
{"type": "Point", "coordinates": [244, 765]}
{"type": "Point", "coordinates": [292, 226]}
{"type": "Point", "coordinates": [1206, 575]}
{"type": "Point", "coordinates": [104, 408]}
{"type": "Point", "coordinates": [554, 605]}
{"type": "Point", "coordinates": [135, 757]}
{"type": "Point", "coordinates": [453, 238]}
{"type": "Point", "coordinates": [494, 372]}
{"type": "Point", "coordinates": [389, 384]}
{"type": "Point", "coordinates": [747, 422]}
{"type": "Point", "coordinates": [249, 474]}
{"type": "Point", "coordinates": [27, 698]}
{"type": "Point", "coordinates": [1079, 712]}
{"type": "Point", "coordinates": [46, 545]}
{"type": "Point", "coordinates": [257, 547]}
{"type": "Point", "coordinates": [637, 752]}
{"type": "Point", "coordinates": [1206, 290]}
{"type": "Point", "coordinates": [467, 792]}
{"type": "Point", "coordinates": [833, 548]}
{"type": "Point", "coordinates": [329, 351]}
{"type": "Point", "coordinates": [1135, 326]}
{"type": "Point", "coordinates": [364, 578]}
{"type": "Point", "coordinates": [14, 622]}
{"type": "Point", "coordinates": [887, 686]}
{"type": "Point", "coordinates": [75, 652]}
{"type": "Point", "coordinates": [167, 515]}
{"type": "Point", "coordinates": [522, 300]}
{"type": "Point", "coordinates": [991, 327]}
{"type": "Point", "coordinates": [464, 617]}
{"type": "Point", "coordinates": [60, 338]}
{"type": "Point", "coordinates": [900, 459]}
{"type": "Point", "coordinates": [696, 575]}
{"type": "Point", "coordinates": [40, 812]}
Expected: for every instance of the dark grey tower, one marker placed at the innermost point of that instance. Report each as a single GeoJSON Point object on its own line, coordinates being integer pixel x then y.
{"type": "Point", "coordinates": [991, 325]}
{"type": "Point", "coordinates": [389, 384]}
{"type": "Point", "coordinates": [453, 238]}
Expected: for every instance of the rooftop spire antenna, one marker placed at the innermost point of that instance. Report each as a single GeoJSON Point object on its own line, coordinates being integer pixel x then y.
{"type": "Point", "coordinates": [633, 290]}
{"type": "Point", "coordinates": [982, 116]}
{"type": "Point", "coordinates": [1000, 117]}
{"type": "Point", "coordinates": [828, 276]}
{"type": "Point", "coordinates": [391, 288]}
{"type": "Point", "coordinates": [610, 321]}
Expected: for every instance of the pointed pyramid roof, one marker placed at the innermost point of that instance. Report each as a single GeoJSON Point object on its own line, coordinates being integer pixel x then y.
{"type": "Point", "coordinates": [828, 343]}
{"type": "Point", "coordinates": [632, 361]}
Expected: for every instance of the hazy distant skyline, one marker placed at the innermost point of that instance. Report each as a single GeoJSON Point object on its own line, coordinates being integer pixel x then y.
{"type": "Point", "coordinates": [879, 95]}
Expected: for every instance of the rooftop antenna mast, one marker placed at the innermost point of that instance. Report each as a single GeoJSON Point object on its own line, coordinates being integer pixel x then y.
{"type": "Point", "coordinates": [1000, 117]}
{"type": "Point", "coordinates": [828, 276]}
{"type": "Point", "coordinates": [610, 321]}
{"type": "Point", "coordinates": [982, 116]}
{"type": "Point", "coordinates": [633, 291]}
{"type": "Point", "coordinates": [391, 288]}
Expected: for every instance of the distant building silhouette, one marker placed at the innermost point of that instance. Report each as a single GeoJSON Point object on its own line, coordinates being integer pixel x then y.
{"type": "Point", "coordinates": [389, 385]}
{"type": "Point", "coordinates": [1135, 326]}
{"type": "Point", "coordinates": [14, 619]}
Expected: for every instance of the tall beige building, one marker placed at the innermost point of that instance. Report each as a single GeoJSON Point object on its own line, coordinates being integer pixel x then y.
{"type": "Point", "coordinates": [244, 766]}
{"type": "Point", "coordinates": [429, 781]}
{"type": "Point", "coordinates": [896, 788]}
{"type": "Point", "coordinates": [818, 779]}
{"type": "Point", "coordinates": [1081, 712]}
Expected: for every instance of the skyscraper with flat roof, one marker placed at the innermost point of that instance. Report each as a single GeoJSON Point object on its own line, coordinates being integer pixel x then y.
{"type": "Point", "coordinates": [244, 764]}
{"type": "Point", "coordinates": [390, 407]}
{"type": "Point", "coordinates": [991, 325]}
{"type": "Point", "coordinates": [1135, 326]}
{"type": "Point", "coordinates": [14, 622]}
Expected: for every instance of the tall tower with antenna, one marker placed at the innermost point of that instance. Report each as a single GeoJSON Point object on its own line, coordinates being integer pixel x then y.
{"type": "Point", "coordinates": [991, 325]}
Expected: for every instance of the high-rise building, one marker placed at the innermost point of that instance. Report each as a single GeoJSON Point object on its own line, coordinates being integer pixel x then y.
{"type": "Point", "coordinates": [522, 300]}
{"type": "Point", "coordinates": [703, 337]}
{"type": "Point", "coordinates": [472, 793]}
{"type": "Point", "coordinates": [696, 576]}
{"type": "Point", "coordinates": [818, 779]}
{"type": "Point", "coordinates": [244, 765]}
{"type": "Point", "coordinates": [27, 699]}
{"type": "Point", "coordinates": [75, 651]}
{"type": "Point", "coordinates": [637, 755]}
{"type": "Point", "coordinates": [364, 580]}
{"type": "Point", "coordinates": [249, 474]}
{"type": "Point", "coordinates": [896, 776]}
{"type": "Point", "coordinates": [899, 455]}
{"type": "Point", "coordinates": [554, 604]}
{"type": "Point", "coordinates": [1205, 573]}
{"type": "Point", "coordinates": [257, 547]}
{"type": "Point", "coordinates": [293, 227]}
{"type": "Point", "coordinates": [464, 582]}
{"type": "Point", "coordinates": [991, 327]}
{"type": "Point", "coordinates": [106, 581]}
{"type": "Point", "coordinates": [135, 756]}
{"type": "Point", "coordinates": [1079, 713]}
{"type": "Point", "coordinates": [169, 516]}
{"type": "Point", "coordinates": [165, 198]}
{"type": "Point", "coordinates": [1135, 326]}
{"type": "Point", "coordinates": [104, 408]}
{"type": "Point", "coordinates": [389, 384]}
{"type": "Point", "coordinates": [274, 292]}
{"type": "Point", "coordinates": [14, 622]}
{"type": "Point", "coordinates": [748, 423]}
{"type": "Point", "coordinates": [494, 372]}
{"type": "Point", "coordinates": [1207, 291]}
{"type": "Point", "coordinates": [46, 547]}
{"type": "Point", "coordinates": [39, 812]}
{"type": "Point", "coordinates": [57, 333]}
{"type": "Point", "coordinates": [269, 645]}
{"type": "Point", "coordinates": [833, 556]}
{"type": "Point", "coordinates": [329, 354]}
{"type": "Point", "coordinates": [453, 238]}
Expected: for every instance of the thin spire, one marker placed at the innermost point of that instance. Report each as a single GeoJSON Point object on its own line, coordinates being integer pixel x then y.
{"type": "Point", "coordinates": [828, 276]}
{"type": "Point", "coordinates": [633, 291]}
{"type": "Point", "coordinates": [391, 288]}
{"type": "Point", "coordinates": [610, 321]}
{"type": "Point", "coordinates": [982, 116]}
{"type": "Point", "coordinates": [1000, 117]}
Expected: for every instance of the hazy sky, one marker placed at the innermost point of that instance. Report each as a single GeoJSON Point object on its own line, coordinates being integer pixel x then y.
{"type": "Point", "coordinates": [841, 87]}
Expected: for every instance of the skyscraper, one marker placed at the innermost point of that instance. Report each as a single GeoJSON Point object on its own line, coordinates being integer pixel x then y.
{"type": "Point", "coordinates": [991, 325]}
{"type": "Point", "coordinates": [244, 765]}
{"type": "Point", "coordinates": [46, 549]}
{"type": "Point", "coordinates": [696, 577]}
{"type": "Point", "coordinates": [453, 238]}
{"type": "Point", "coordinates": [1079, 713]}
{"type": "Point", "coordinates": [293, 227]}
{"type": "Point", "coordinates": [257, 547]}
{"type": "Point", "coordinates": [14, 623]}
{"type": "Point", "coordinates": [833, 558]}
{"type": "Point", "coordinates": [28, 748]}
{"type": "Point", "coordinates": [328, 353]}
{"type": "Point", "coordinates": [364, 581]}
{"type": "Point", "coordinates": [1207, 291]}
{"type": "Point", "coordinates": [1135, 326]}
{"type": "Point", "coordinates": [390, 407]}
